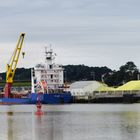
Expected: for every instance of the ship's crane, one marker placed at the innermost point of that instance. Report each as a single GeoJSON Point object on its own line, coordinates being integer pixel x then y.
{"type": "Point", "coordinates": [12, 65]}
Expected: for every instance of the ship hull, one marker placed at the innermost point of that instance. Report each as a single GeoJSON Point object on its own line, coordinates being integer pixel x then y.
{"type": "Point", "coordinates": [10, 101]}
{"type": "Point", "coordinates": [51, 98]}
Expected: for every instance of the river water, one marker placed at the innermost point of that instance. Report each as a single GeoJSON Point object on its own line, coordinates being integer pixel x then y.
{"type": "Point", "coordinates": [71, 122]}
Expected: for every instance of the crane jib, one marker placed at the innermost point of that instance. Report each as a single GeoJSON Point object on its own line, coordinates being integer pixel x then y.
{"type": "Point", "coordinates": [11, 67]}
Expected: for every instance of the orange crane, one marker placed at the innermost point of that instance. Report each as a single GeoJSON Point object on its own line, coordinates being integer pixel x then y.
{"type": "Point", "coordinates": [12, 65]}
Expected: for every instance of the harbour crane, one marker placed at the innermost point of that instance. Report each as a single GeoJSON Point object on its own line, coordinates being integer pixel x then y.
{"type": "Point", "coordinates": [12, 65]}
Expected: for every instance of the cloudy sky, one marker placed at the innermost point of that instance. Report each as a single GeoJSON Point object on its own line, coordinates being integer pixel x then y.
{"type": "Point", "coordinates": [90, 32]}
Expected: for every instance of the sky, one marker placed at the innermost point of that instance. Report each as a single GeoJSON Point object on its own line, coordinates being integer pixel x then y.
{"type": "Point", "coordinates": [89, 32]}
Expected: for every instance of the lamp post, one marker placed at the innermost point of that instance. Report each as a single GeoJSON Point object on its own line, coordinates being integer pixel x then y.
{"type": "Point", "coordinates": [138, 75]}
{"type": "Point", "coordinates": [103, 77]}
{"type": "Point", "coordinates": [65, 76]}
{"type": "Point", "coordinates": [93, 75]}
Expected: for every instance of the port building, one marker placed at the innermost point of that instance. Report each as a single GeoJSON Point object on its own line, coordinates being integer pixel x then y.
{"type": "Point", "coordinates": [86, 89]}
{"type": "Point", "coordinates": [90, 89]}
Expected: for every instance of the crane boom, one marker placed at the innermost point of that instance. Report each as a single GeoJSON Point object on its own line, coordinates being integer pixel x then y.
{"type": "Point", "coordinates": [12, 65]}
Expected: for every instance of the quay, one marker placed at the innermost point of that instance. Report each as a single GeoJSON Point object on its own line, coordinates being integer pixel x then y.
{"type": "Point", "coordinates": [106, 98]}
{"type": "Point", "coordinates": [97, 92]}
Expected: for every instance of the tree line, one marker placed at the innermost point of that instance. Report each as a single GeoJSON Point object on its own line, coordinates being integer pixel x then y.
{"type": "Point", "coordinates": [126, 72]}
{"type": "Point", "coordinates": [72, 73]}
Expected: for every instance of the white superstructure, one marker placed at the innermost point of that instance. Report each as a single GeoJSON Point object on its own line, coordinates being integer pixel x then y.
{"type": "Point", "coordinates": [48, 72]}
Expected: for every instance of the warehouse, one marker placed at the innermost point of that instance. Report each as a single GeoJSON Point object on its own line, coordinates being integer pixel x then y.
{"type": "Point", "coordinates": [86, 89]}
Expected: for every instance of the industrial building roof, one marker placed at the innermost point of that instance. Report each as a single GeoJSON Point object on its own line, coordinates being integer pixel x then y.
{"type": "Point", "coordinates": [83, 84]}
{"type": "Point", "coordinates": [132, 85]}
{"type": "Point", "coordinates": [90, 86]}
{"type": "Point", "coordinates": [104, 87]}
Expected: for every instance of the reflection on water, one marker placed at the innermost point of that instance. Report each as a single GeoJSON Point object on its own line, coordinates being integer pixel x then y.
{"type": "Point", "coordinates": [71, 122]}
{"type": "Point", "coordinates": [10, 126]}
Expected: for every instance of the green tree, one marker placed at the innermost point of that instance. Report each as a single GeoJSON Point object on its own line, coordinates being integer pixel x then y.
{"type": "Point", "coordinates": [126, 73]}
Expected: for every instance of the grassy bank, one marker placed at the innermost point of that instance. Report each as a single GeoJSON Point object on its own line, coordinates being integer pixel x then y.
{"type": "Point", "coordinates": [17, 83]}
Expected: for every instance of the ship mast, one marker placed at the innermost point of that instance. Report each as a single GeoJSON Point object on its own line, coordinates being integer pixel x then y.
{"type": "Point", "coordinates": [50, 57]}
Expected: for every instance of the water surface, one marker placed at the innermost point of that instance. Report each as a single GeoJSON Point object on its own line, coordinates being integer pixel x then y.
{"type": "Point", "coordinates": [71, 122]}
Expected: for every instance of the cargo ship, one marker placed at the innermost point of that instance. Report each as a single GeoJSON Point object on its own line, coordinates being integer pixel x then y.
{"type": "Point", "coordinates": [48, 79]}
